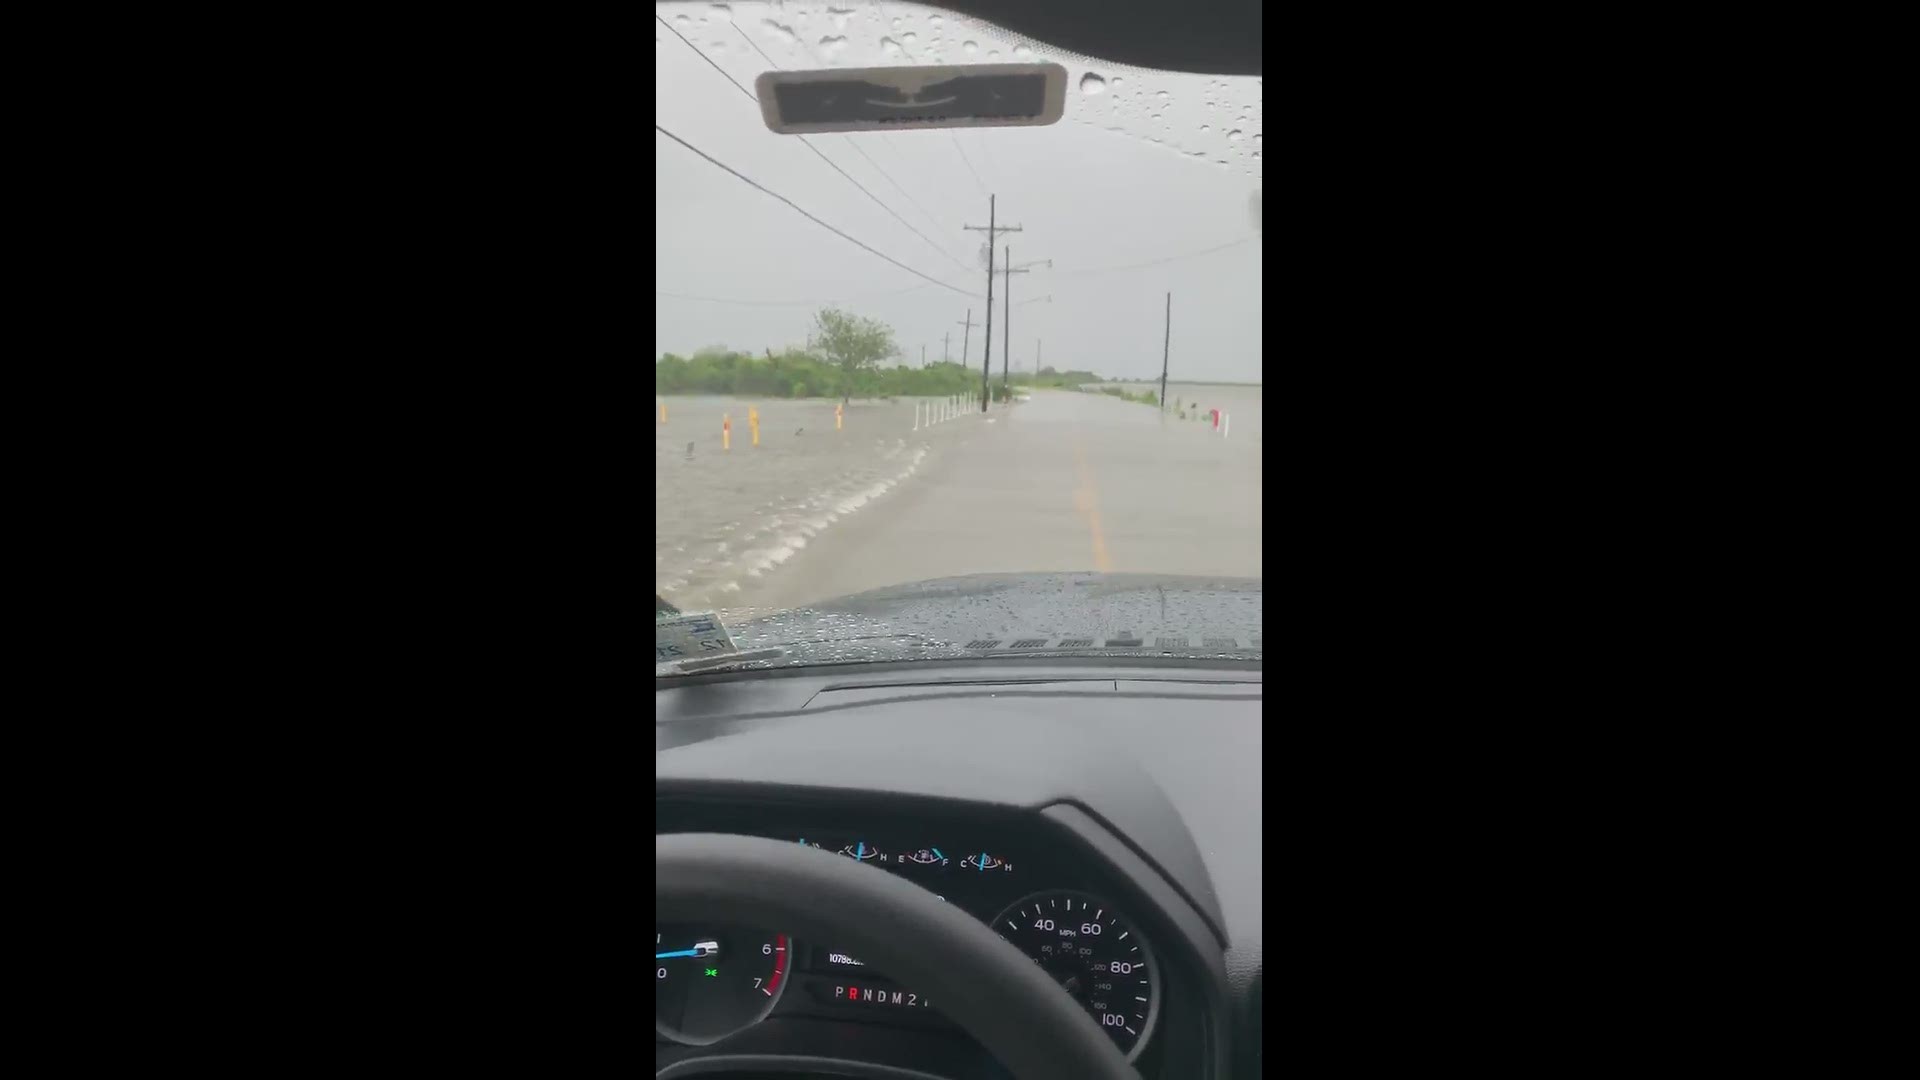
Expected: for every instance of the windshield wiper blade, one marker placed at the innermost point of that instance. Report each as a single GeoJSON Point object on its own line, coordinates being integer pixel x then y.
{"type": "Point", "coordinates": [716, 663]}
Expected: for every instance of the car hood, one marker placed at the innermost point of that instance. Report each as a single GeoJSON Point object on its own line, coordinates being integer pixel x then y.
{"type": "Point", "coordinates": [1011, 615]}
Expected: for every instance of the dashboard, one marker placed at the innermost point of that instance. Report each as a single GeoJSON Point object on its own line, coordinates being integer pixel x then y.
{"type": "Point", "coordinates": [712, 982]}
{"type": "Point", "coordinates": [1079, 849]}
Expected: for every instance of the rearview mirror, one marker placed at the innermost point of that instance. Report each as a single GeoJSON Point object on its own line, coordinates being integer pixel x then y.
{"type": "Point", "coordinates": [909, 98]}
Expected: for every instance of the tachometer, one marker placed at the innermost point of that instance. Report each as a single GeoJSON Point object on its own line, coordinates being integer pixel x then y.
{"type": "Point", "coordinates": [1096, 955]}
{"type": "Point", "coordinates": [711, 981]}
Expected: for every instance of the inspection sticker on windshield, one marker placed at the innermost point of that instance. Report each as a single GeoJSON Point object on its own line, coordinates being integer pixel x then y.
{"type": "Point", "coordinates": [687, 637]}
{"type": "Point", "coordinates": [906, 98]}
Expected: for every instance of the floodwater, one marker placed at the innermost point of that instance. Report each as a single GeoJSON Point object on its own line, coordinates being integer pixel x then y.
{"type": "Point", "coordinates": [728, 518]}
{"type": "Point", "coordinates": [1065, 482]}
{"type": "Point", "coordinates": [1240, 403]}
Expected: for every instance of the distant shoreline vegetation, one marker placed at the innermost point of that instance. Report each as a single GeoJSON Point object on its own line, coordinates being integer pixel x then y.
{"type": "Point", "coordinates": [1145, 398]}
{"type": "Point", "coordinates": [1185, 382]}
{"type": "Point", "coordinates": [797, 373]}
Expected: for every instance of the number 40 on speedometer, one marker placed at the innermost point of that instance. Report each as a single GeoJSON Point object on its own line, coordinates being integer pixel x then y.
{"type": "Point", "coordinates": [1095, 955]}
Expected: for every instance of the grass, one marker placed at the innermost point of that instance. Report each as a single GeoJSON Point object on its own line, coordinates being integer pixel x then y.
{"type": "Point", "coordinates": [1146, 397]}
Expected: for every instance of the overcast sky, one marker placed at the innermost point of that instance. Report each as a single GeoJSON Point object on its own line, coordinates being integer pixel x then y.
{"type": "Point", "coordinates": [1095, 193]}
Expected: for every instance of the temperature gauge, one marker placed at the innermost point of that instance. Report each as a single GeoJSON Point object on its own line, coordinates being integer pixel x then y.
{"type": "Point", "coordinates": [925, 857]}
{"type": "Point", "coordinates": [863, 851]}
{"type": "Point", "coordinates": [984, 862]}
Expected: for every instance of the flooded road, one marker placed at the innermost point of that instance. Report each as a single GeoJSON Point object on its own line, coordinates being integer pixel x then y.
{"type": "Point", "coordinates": [1065, 482]}
{"type": "Point", "coordinates": [727, 518]}
{"type": "Point", "coordinates": [1241, 403]}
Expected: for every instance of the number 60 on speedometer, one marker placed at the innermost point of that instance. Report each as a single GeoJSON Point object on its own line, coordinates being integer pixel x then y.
{"type": "Point", "coordinates": [1095, 955]}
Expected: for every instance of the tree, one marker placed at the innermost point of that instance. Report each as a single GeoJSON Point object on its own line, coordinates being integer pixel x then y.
{"type": "Point", "coordinates": [853, 344]}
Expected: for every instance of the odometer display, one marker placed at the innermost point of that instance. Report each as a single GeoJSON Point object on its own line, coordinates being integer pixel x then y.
{"type": "Point", "coordinates": [1095, 955]}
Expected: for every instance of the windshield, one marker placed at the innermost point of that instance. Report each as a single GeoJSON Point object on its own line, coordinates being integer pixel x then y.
{"type": "Point", "coordinates": [944, 372]}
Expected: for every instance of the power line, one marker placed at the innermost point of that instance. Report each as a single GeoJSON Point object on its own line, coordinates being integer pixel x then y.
{"type": "Point", "coordinates": [963, 157]}
{"type": "Point", "coordinates": [751, 183]}
{"type": "Point", "coordinates": [756, 46]}
{"type": "Point", "coordinates": [836, 168]}
{"type": "Point", "coordinates": [810, 146]}
{"type": "Point", "coordinates": [787, 303]}
{"type": "Point", "coordinates": [896, 186]}
{"type": "Point", "coordinates": [889, 143]}
{"type": "Point", "coordinates": [986, 156]}
{"type": "Point", "coordinates": [723, 71]}
{"type": "Point", "coordinates": [1167, 259]}
{"type": "Point", "coordinates": [930, 243]}
{"type": "Point", "coordinates": [912, 59]}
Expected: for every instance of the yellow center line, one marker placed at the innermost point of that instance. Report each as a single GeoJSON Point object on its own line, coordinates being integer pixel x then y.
{"type": "Point", "coordinates": [1086, 501]}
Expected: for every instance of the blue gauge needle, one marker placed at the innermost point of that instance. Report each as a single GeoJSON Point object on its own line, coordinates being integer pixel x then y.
{"type": "Point", "coordinates": [862, 853]}
{"type": "Point", "coordinates": [670, 955]}
{"type": "Point", "coordinates": [937, 855]}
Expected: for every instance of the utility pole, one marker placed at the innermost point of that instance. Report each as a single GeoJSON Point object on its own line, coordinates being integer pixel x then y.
{"type": "Point", "coordinates": [992, 230]}
{"type": "Point", "coordinates": [1006, 318]}
{"type": "Point", "coordinates": [923, 355]}
{"type": "Point", "coordinates": [966, 338]}
{"type": "Point", "coordinates": [943, 345]}
{"type": "Point", "coordinates": [1036, 360]}
{"type": "Point", "coordinates": [1166, 347]}
{"type": "Point", "coordinates": [1006, 315]}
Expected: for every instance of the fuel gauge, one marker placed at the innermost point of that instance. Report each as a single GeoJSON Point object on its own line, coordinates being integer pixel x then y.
{"type": "Point", "coordinates": [925, 857]}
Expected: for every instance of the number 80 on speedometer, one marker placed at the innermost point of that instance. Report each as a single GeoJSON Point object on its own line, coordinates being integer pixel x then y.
{"type": "Point", "coordinates": [1095, 955]}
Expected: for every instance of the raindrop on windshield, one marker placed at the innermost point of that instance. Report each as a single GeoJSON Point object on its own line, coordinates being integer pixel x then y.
{"type": "Point", "coordinates": [682, 19]}
{"type": "Point", "coordinates": [969, 48]}
{"type": "Point", "coordinates": [1234, 135]}
{"type": "Point", "coordinates": [1162, 95]}
{"type": "Point", "coordinates": [908, 39]}
{"type": "Point", "coordinates": [785, 34]}
{"type": "Point", "coordinates": [936, 22]}
{"type": "Point", "coordinates": [1022, 52]}
{"type": "Point", "coordinates": [1092, 84]}
{"type": "Point", "coordinates": [1203, 129]}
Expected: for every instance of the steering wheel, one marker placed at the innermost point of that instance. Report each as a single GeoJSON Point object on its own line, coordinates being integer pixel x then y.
{"type": "Point", "coordinates": [992, 990]}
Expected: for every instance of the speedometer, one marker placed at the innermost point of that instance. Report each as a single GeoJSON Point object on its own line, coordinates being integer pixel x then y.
{"type": "Point", "coordinates": [1095, 955]}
